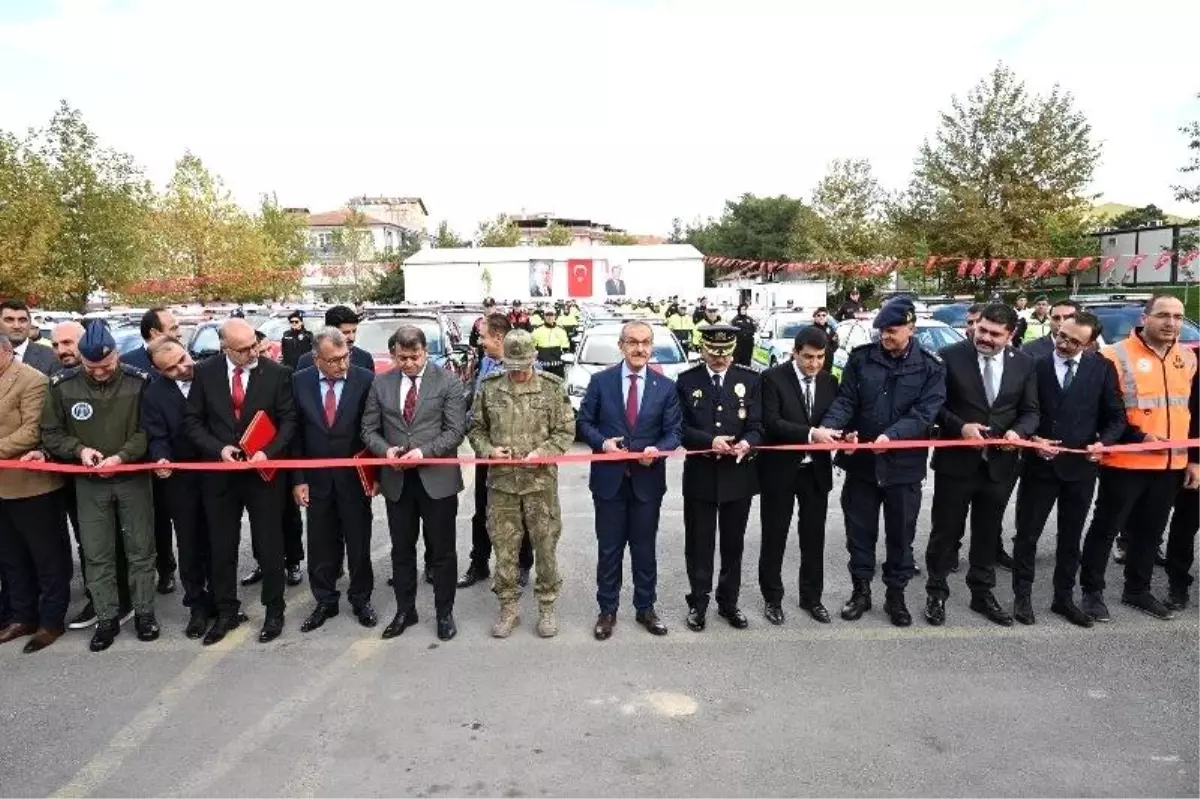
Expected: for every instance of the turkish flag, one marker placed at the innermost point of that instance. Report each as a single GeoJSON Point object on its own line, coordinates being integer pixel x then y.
{"type": "Point", "coordinates": [579, 277]}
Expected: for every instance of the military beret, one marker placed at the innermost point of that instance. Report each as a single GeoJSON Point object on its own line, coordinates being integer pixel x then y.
{"type": "Point", "coordinates": [898, 311]}
{"type": "Point", "coordinates": [97, 342]}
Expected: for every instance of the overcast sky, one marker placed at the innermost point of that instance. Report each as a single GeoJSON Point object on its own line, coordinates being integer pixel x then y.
{"type": "Point", "coordinates": [624, 111]}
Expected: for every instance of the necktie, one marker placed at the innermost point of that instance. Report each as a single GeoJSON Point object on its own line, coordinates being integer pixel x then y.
{"type": "Point", "coordinates": [989, 381]}
{"type": "Point", "coordinates": [410, 401]}
{"type": "Point", "coordinates": [631, 402]}
{"type": "Point", "coordinates": [330, 402]}
{"type": "Point", "coordinates": [238, 394]}
{"type": "Point", "coordinates": [808, 399]}
{"type": "Point", "coordinates": [717, 383]}
{"type": "Point", "coordinates": [1070, 375]}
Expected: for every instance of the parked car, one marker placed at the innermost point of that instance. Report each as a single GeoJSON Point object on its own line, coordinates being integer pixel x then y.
{"type": "Point", "coordinates": [204, 341]}
{"type": "Point", "coordinates": [776, 335]}
{"type": "Point", "coordinates": [930, 334]}
{"type": "Point", "coordinates": [1120, 314]}
{"type": "Point", "coordinates": [441, 337]}
{"type": "Point", "coordinates": [598, 350]}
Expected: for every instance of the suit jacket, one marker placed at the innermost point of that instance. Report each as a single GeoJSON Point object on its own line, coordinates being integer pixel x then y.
{"type": "Point", "coordinates": [22, 395]}
{"type": "Point", "coordinates": [315, 439]}
{"type": "Point", "coordinates": [163, 407]}
{"type": "Point", "coordinates": [208, 418]}
{"type": "Point", "coordinates": [614, 288]}
{"type": "Point", "coordinates": [787, 419]}
{"type": "Point", "coordinates": [140, 358]}
{"type": "Point", "coordinates": [1015, 408]}
{"type": "Point", "coordinates": [602, 416]}
{"type": "Point", "coordinates": [358, 357]}
{"type": "Point", "coordinates": [438, 427]}
{"type": "Point", "coordinates": [706, 414]}
{"type": "Point", "coordinates": [1090, 410]}
{"type": "Point", "coordinates": [41, 358]}
{"type": "Point", "coordinates": [1039, 347]}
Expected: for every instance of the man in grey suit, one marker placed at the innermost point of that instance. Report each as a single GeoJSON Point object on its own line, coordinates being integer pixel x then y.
{"type": "Point", "coordinates": [417, 411]}
{"type": "Point", "coordinates": [14, 323]}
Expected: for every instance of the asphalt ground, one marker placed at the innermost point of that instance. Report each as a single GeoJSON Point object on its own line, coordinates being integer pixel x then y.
{"type": "Point", "coordinates": [862, 708]}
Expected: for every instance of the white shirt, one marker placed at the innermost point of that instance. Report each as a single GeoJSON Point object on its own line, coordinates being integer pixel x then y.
{"type": "Point", "coordinates": [712, 374]}
{"type": "Point", "coordinates": [230, 366]}
{"type": "Point", "coordinates": [641, 384]}
{"type": "Point", "coordinates": [19, 352]}
{"type": "Point", "coordinates": [185, 387]}
{"type": "Point", "coordinates": [1060, 366]}
{"type": "Point", "coordinates": [406, 384]}
{"type": "Point", "coordinates": [997, 370]}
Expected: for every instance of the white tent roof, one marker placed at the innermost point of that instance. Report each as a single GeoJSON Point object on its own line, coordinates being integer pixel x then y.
{"type": "Point", "coordinates": [492, 255]}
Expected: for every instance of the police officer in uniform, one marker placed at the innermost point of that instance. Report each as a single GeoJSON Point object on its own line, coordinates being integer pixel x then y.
{"type": "Point", "coordinates": [890, 390]}
{"type": "Point", "coordinates": [92, 416]}
{"type": "Point", "coordinates": [551, 342]}
{"type": "Point", "coordinates": [722, 411]}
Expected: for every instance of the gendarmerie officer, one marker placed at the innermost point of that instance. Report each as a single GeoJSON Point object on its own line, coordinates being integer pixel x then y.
{"type": "Point", "coordinates": [721, 405]}
{"type": "Point", "coordinates": [891, 390]}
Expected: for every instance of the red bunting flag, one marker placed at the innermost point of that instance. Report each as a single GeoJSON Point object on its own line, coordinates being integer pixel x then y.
{"type": "Point", "coordinates": [1108, 263]}
{"type": "Point", "coordinates": [977, 269]}
{"type": "Point", "coordinates": [1064, 266]}
{"type": "Point", "coordinates": [962, 267]}
{"type": "Point", "coordinates": [930, 263]}
{"type": "Point", "coordinates": [1084, 264]}
{"type": "Point", "coordinates": [1187, 257]}
{"type": "Point", "coordinates": [1045, 268]}
{"type": "Point", "coordinates": [1135, 263]}
{"type": "Point", "coordinates": [1163, 259]}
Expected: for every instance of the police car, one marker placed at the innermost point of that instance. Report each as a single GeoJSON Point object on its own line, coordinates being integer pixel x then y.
{"type": "Point", "coordinates": [776, 337]}
{"type": "Point", "coordinates": [1120, 313]}
{"type": "Point", "coordinates": [931, 335]}
{"type": "Point", "coordinates": [598, 349]}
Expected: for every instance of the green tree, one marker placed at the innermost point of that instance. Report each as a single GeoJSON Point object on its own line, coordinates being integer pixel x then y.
{"type": "Point", "coordinates": [756, 228]}
{"type": "Point", "coordinates": [678, 233]}
{"type": "Point", "coordinates": [446, 238]}
{"type": "Point", "coordinates": [555, 235]}
{"type": "Point", "coordinates": [1137, 217]}
{"type": "Point", "coordinates": [498, 232]}
{"type": "Point", "coordinates": [104, 202]}
{"type": "Point", "coordinates": [355, 265]}
{"type": "Point", "coordinates": [620, 239]}
{"type": "Point", "coordinates": [30, 216]}
{"type": "Point", "coordinates": [1002, 163]}
{"type": "Point", "coordinates": [1191, 193]}
{"type": "Point", "coordinates": [286, 235]}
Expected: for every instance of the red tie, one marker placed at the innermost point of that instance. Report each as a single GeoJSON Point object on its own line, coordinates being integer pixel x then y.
{"type": "Point", "coordinates": [631, 402]}
{"type": "Point", "coordinates": [330, 403]}
{"type": "Point", "coordinates": [238, 393]}
{"type": "Point", "coordinates": [410, 402]}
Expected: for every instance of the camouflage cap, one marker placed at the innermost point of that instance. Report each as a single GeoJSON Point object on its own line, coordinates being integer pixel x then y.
{"type": "Point", "coordinates": [519, 351]}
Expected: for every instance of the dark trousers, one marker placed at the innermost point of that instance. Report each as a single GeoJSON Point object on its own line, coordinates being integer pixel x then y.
{"type": "Point", "coordinates": [413, 513]}
{"type": "Point", "coordinates": [339, 525]}
{"type": "Point", "coordinates": [861, 500]}
{"type": "Point", "coordinates": [35, 559]}
{"type": "Point", "coordinates": [164, 537]}
{"type": "Point", "coordinates": [626, 520]}
{"type": "Point", "coordinates": [954, 497]}
{"type": "Point", "coordinates": [72, 505]}
{"type": "Point", "coordinates": [481, 542]}
{"type": "Point", "coordinates": [184, 494]}
{"type": "Point", "coordinates": [1137, 501]}
{"type": "Point", "coordinates": [1181, 540]}
{"type": "Point", "coordinates": [227, 495]}
{"type": "Point", "coordinates": [1036, 496]}
{"type": "Point", "coordinates": [701, 522]}
{"type": "Point", "coordinates": [775, 513]}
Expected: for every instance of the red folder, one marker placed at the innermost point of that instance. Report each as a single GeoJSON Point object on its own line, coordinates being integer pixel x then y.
{"type": "Point", "coordinates": [368, 474]}
{"type": "Point", "coordinates": [259, 433]}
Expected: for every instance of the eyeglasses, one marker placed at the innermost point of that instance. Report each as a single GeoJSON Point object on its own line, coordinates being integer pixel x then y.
{"type": "Point", "coordinates": [1165, 316]}
{"type": "Point", "coordinates": [1074, 342]}
{"type": "Point", "coordinates": [249, 350]}
{"type": "Point", "coordinates": [339, 359]}
{"type": "Point", "coordinates": [638, 342]}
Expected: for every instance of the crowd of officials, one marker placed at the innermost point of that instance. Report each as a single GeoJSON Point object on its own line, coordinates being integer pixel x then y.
{"type": "Point", "coordinates": [80, 402]}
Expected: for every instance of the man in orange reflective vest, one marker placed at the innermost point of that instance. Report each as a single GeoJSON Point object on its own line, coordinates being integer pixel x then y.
{"type": "Point", "coordinates": [1137, 489]}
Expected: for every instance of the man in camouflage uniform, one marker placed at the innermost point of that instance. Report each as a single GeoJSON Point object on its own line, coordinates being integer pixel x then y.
{"type": "Point", "coordinates": [517, 414]}
{"type": "Point", "coordinates": [92, 416]}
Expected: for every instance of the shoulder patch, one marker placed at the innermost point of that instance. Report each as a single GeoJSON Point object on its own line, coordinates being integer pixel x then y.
{"type": "Point", "coordinates": [133, 371]}
{"type": "Point", "coordinates": [932, 355]}
{"type": "Point", "coordinates": [692, 368]}
{"type": "Point", "coordinates": [65, 374]}
{"type": "Point", "coordinates": [494, 375]}
{"type": "Point", "coordinates": [553, 378]}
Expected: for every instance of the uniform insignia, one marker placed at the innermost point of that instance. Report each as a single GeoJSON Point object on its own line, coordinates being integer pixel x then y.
{"type": "Point", "coordinates": [1178, 363]}
{"type": "Point", "coordinates": [81, 411]}
{"type": "Point", "coordinates": [720, 408]}
{"type": "Point", "coordinates": [739, 390]}
{"type": "Point", "coordinates": [741, 413]}
{"type": "Point", "coordinates": [698, 394]}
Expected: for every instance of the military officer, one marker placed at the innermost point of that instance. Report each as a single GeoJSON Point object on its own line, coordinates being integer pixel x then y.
{"type": "Point", "coordinates": [722, 413]}
{"type": "Point", "coordinates": [891, 390]}
{"type": "Point", "coordinates": [520, 413]}
{"type": "Point", "coordinates": [92, 416]}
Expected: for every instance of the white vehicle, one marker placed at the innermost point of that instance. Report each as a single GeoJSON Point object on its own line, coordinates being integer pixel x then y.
{"type": "Point", "coordinates": [930, 334]}
{"type": "Point", "coordinates": [598, 350]}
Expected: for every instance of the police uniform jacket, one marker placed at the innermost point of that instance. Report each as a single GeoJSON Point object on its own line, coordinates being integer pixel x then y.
{"type": "Point", "coordinates": [737, 412]}
{"type": "Point", "coordinates": [80, 412]}
{"type": "Point", "coordinates": [894, 396]}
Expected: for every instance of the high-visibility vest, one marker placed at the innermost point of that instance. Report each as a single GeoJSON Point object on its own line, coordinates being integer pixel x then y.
{"type": "Point", "coordinates": [1035, 329]}
{"type": "Point", "coordinates": [545, 337]}
{"type": "Point", "coordinates": [1155, 393]}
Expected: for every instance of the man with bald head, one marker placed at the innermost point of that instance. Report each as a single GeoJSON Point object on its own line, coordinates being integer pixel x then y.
{"type": "Point", "coordinates": [64, 340]}
{"type": "Point", "coordinates": [226, 394]}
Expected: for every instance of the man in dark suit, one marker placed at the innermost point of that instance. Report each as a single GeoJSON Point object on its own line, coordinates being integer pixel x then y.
{"type": "Point", "coordinates": [158, 323]}
{"type": "Point", "coordinates": [226, 394]}
{"type": "Point", "coordinates": [417, 411]}
{"type": "Point", "coordinates": [628, 407]}
{"type": "Point", "coordinates": [163, 406]}
{"type": "Point", "coordinates": [15, 323]}
{"type": "Point", "coordinates": [795, 395]}
{"type": "Point", "coordinates": [991, 392]}
{"type": "Point", "coordinates": [1060, 312]}
{"type": "Point", "coordinates": [1080, 408]}
{"type": "Point", "coordinates": [721, 406]}
{"type": "Point", "coordinates": [346, 321]}
{"type": "Point", "coordinates": [614, 286]}
{"type": "Point", "coordinates": [330, 400]}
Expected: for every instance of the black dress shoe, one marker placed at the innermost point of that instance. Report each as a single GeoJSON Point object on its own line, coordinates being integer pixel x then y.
{"type": "Point", "coordinates": [985, 604]}
{"type": "Point", "coordinates": [1149, 605]}
{"type": "Point", "coordinates": [400, 622]}
{"type": "Point", "coordinates": [366, 615]}
{"type": "Point", "coordinates": [935, 611]}
{"type": "Point", "coordinates": [197, 623]}
{"type": "Point", "coordinates": [1004, 560]}
{"type": "Point", "coordinates": [222, 627]}
{"type": "Point", "coordinates": [1023, 609]}
{"type": "Point", "coordinates": [294, 575]}
{"type": "Point", "coordinates": [252, 577]}
{"type": "Point", "coordinates": [774, 613]}
{"type": "Point", "coordinates": [859, 601]}
{"type": "Point", "coordinates": [816, 610]}
{"type": "Point", "coordinates": [1067, 608]}
{"type": "Point", "coordinates": [446, 628]}
{"type": "Point", "coordinates": [1177, 600]}
{"type": "Point", "coordinates": [320, 614]}
{"type": "Point", "coordinates": [523, 578]}
{"type": "Point", "coordinates": [696, 620]}
{"type": "Point", "coordinates": [472, 575]}
{"type": "Point", "coordinates": [737, 620]}
{"type": "Point", "coordinates": [146, 626]}
{"type": "Point", "coordinates": [272, 628]}
{"type": "Point", "coordinates": [604, 626]}
{"type": "Point", "coordinates": [650, 620]}
{"type": "Point", "coordinates": [897, 609]}
{"type": "Point", "coordinates": [106, 633]}
{"type": "Point", "coordinates": [166, 584]}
